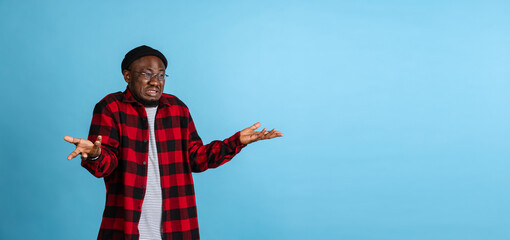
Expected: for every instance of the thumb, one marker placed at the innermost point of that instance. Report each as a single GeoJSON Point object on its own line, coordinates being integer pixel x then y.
{"type": "Point", "coordinates": [97, 145]}
{"type": "Point", "coordinates": [255, 126]}
{"type": "Point", "coordinates": [98, 141]}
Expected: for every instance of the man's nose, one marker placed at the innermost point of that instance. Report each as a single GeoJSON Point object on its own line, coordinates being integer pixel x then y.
{"type": "Point", "coordinates": [154, 81]}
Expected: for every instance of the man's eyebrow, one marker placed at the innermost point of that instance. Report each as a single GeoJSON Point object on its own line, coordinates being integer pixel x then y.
{"type": "Point", "coordinates": [150, 69]}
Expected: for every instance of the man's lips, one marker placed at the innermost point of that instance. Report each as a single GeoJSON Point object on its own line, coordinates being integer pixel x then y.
{"type": "Point", "coordinates": [152, 92]}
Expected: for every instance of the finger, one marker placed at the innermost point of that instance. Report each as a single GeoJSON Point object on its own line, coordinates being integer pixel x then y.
{"type": "Point", "coordinates": [263, 132]}
{"type": "Point", "coordinates": [73, 154]}
{"type": "Point", "coordinates": [97, 143]}
{"type": "Point", "coordinates": [96, 149]}
{"type": "Point", "coordinates": [274, 134]}
{"type": "Point", "coordinates": [278, 134]}
{"type": "Point", "coordinates": [270, 134]}
{"type": "Point", "coordinates": [84, 156]}
{"type": "Point", "coordinates": [72, 139]}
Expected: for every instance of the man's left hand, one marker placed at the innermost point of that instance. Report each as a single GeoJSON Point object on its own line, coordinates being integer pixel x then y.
{"type": "Point", "coordinates": [249, 135]}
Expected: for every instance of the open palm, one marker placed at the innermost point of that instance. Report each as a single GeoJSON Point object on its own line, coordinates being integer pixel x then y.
{"type": "Point", "coordinates": [249, 135]}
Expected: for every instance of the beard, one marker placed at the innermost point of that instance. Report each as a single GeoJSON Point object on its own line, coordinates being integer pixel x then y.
{"type": "Point", "coordinates": [147, 103]}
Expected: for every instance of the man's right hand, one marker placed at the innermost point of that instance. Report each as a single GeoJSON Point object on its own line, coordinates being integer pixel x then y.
{"type": "Point", "coordinates": [84, 147]}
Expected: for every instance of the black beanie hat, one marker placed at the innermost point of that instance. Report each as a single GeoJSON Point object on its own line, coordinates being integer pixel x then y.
{"type": "Point", "coordinates": [139, 52]}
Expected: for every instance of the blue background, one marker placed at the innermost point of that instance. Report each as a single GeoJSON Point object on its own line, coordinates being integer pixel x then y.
{"type": "Point", "coordinates": [395, 113]}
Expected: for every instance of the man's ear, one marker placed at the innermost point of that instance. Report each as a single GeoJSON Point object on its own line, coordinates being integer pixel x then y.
{"type": "Point", "coordinates": [127, 76]}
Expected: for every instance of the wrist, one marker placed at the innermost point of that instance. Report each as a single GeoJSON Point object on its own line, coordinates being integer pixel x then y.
{"type": "Point", "coordinates": [93, 158]}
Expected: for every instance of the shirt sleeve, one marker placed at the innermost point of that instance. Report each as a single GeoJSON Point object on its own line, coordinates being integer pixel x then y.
{"type": "Point", "coordinates": [104, 124]}
{"type": "Point", "coordinates": [212, 155]}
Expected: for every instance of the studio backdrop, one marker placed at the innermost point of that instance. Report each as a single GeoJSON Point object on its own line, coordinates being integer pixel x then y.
{"type": "Point", "coordinates": [395, 113]}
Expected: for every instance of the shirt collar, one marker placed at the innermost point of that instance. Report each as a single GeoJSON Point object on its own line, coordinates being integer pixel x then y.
{"type": "Point", "coordinates": [128, 97]}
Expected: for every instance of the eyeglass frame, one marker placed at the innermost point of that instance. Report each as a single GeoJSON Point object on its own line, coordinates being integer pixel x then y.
{"type": "Point", "coordinates": [149, 76]}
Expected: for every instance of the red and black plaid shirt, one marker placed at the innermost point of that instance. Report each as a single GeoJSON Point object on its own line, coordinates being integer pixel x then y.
{"type": "Point", "coordinates": [122, 122]}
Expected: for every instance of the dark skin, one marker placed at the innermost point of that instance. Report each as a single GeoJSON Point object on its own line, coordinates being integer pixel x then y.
{"type": "Point", "coordinates": [148, 92]}
{"type": "Point", "coordinates": [145, 91]}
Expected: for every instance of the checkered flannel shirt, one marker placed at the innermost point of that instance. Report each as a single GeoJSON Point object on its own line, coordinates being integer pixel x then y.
{"type": "Point", "coordinates": [122, 123]}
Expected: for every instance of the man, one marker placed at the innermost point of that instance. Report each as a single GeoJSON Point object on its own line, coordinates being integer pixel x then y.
{"type": "Point", "coordinates": [144, 144]}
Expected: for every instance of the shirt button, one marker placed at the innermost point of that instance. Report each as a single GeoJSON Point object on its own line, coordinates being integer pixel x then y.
{"type": "Point", "coordinates": [139, 207]}
{"type": "Point", "coordinates": [144, 162]}
{"type": "Point", "coordinates": [145, 140]}
{"type": "Point", "coordinates": [143, 185]}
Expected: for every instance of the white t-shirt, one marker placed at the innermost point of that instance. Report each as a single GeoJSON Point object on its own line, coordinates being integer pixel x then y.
{"type": "Point", "coordinates": [152, 206]}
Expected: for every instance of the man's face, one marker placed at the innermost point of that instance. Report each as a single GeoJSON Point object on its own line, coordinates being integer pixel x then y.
{"type": "Point", "coordinates": [144, 90]}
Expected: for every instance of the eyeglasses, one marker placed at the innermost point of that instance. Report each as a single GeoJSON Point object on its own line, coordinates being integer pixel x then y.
{"type": "Point", "coordinates": [149, 76]}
